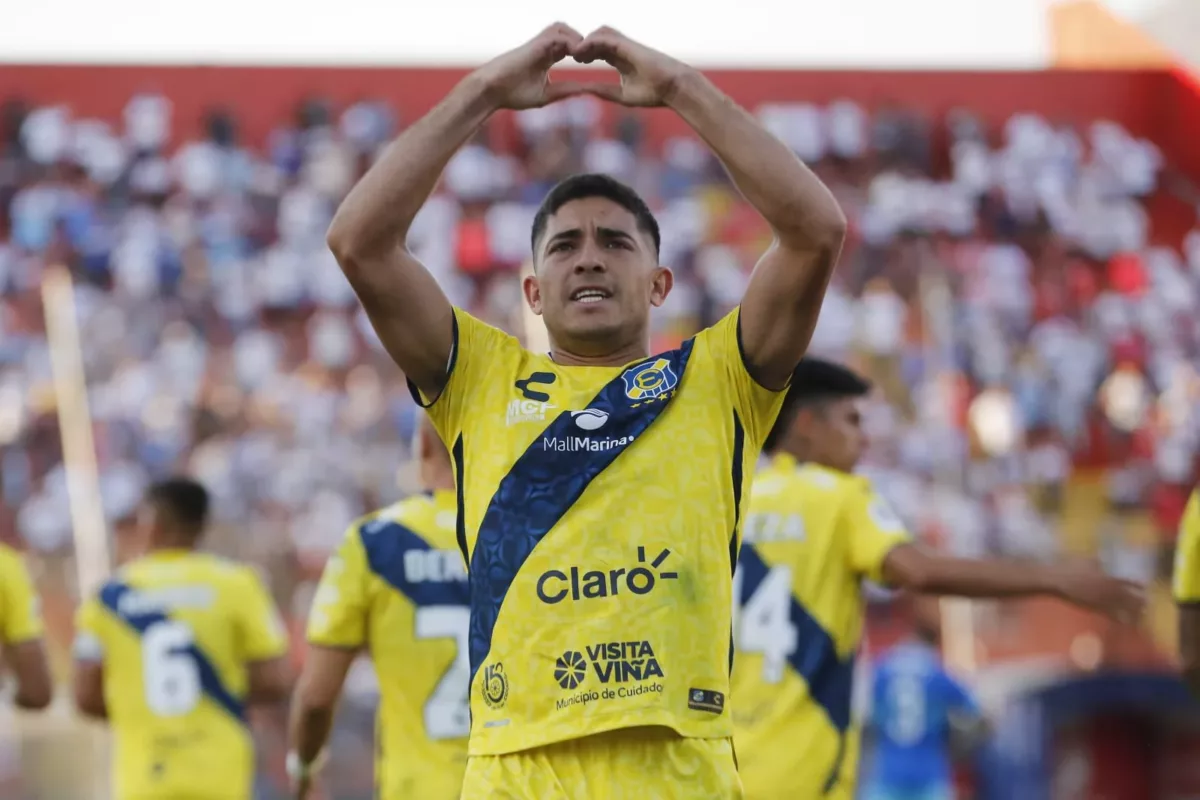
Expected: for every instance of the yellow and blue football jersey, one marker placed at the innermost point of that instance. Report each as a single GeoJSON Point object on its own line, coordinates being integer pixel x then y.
{"type": "Point", "coordinates": [397, 586]}
{"type": "Point", "coordinates": [599, 517]}
{"type": "Point", "coordinates": [20, 610]}
{"type": "Point", "coordinates": [812, 535]}
{"type": "Point", "coordinates": [1187, 553]}
{"type": "Point", "coordinates": [175, 632]}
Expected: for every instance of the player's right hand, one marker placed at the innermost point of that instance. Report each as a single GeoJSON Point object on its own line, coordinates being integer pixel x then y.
{"type": "Point", "coordinates": [1086, 585]}
{"type": "Point", "coordinates": [520, 78]}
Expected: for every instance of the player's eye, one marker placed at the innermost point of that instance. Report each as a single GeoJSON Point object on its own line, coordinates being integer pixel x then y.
{"type": "Point", "coordinates": [618, 243]}
{"type": "Point", "coordinates": [559, 247]}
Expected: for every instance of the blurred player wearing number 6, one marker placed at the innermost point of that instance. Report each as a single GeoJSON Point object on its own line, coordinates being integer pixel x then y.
{"type": "Point", "coordinates": [397, 587]}
{"type": "Point", "coordinates": [172, 650]}
{"type": "Point", "coordinates": [814, 533]}
{"type": "Point", "coordinates": [600, 486]}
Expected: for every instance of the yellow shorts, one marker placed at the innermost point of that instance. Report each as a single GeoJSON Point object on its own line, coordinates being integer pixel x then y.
{"type": "Point", "coordinates": [629, 764]}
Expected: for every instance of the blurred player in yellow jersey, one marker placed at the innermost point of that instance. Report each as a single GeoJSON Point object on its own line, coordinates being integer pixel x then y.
{"type": "Point", "coordinates": [814, 532]}
{"type": "Point", "coordinates": [396, 586]}
{"type": "Point", "coordinates": [1187, 591]}
{"type": "Point", "coordinates": [172, 650]}
{"type": "Point", "coordinates": [600, 484]}
{"type": "Point", "coordinates": [21, 633]}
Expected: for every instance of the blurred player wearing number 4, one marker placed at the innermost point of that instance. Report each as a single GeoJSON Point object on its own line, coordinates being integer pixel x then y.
{"type": "Point", "coordinates": [172, 650]}
{"type": "Point", "coordinates": [600, 485]}
{"type": "Point", "coordinates": [813, 534]}
{"type": "Point", "coordinates": [397, 587]}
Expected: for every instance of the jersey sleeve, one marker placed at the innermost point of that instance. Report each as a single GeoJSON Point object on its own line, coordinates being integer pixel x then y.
{"type": "Point", "coordinates": [757, 407]}
{"type": "Point", "coordinates": [872, 530]}
{"type": "Point", "coordinates": [20, 608]}
{"type": "Point", "coordinates": [261, 629]}
{"type": "Point", "coordinates": [1187, 554]}
{"type": "Point", "coordinates": [477, 347]}
{"type": "Point", "coordinates": [89, 638]}
{"type": "Point", "coordinates": [341, 604]}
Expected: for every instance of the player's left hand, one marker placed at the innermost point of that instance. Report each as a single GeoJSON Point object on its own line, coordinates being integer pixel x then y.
{"type": "Point", "coordinates": [1088, 586]}
{"type": "Point", "coordinates": [648, 78]}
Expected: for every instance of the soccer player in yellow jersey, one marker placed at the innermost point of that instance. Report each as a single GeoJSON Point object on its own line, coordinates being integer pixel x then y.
{"type": "Point", "coordinates": [171, 651]}
{"type": "Point", "coordinates": [600, 486]}
{"type": "Point", "coordinates": [396, 586]}
{"type": "Point", "coordinates": [1187, 591]}
{"type": "Point", "coordinates": [21, 633]}
{"type": "Point", "coordinates": [814, 531]}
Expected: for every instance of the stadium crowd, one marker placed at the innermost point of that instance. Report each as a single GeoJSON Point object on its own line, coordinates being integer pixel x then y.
{"type": "Point", "coordinates": [1000, 287]}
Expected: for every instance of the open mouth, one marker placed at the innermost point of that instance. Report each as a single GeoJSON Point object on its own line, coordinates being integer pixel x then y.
{"type": "Point", "coordinates": [590, 295]}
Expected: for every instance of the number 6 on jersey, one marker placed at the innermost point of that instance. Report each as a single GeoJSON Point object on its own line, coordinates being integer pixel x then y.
{"type": "Point", "coordinates": [170, 676]}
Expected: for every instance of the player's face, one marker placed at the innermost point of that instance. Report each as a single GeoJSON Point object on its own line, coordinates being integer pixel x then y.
{"type": "Point", "coordinates": [596, 277]}
{"type": "Point", "coordinates": [839, 439]}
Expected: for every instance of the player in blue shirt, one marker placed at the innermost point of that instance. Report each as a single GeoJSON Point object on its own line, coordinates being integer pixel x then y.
{"type": "Point", "coordinates": [919, 714]}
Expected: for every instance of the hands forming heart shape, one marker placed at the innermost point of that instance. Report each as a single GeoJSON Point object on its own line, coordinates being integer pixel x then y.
{"type": "Point", "coordinates": [520, 78]}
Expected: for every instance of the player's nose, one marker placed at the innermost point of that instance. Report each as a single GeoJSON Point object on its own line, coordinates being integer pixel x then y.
{"type": "Point", "coordinates": [589, 258]}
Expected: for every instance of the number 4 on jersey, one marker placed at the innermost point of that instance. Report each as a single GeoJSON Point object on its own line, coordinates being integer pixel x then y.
{"type": "Point", "coordinates": [764, 624]}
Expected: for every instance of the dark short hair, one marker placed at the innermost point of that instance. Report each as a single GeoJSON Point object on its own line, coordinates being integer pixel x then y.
{"type": "Point", "coordinates": [184, 500]}
{"type": "Point", "coordinates": [594, 184]}
{"type": "Point", "coordinates": [814, 381]}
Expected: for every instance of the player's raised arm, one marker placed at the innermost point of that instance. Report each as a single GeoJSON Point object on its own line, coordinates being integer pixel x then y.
{"type": "Point", "coordinates": [780, 308]}
{"type": "Point", "coordinates": [912, 567]}
{"type": "Point", "coordinates": [408, 310]}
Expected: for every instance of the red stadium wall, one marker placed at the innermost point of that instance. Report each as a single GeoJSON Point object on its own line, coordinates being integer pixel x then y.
{"type": "Point", "coordinates": [1160, 104]}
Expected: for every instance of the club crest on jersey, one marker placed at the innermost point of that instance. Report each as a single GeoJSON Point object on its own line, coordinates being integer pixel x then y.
{"type": "Point", "coordinates": [650, 381]}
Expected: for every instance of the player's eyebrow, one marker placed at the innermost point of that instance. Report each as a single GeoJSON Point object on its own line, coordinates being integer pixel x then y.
{"type": "Point", "coordinates": [570, 234]}
{"type": "Point", "coordinates": [614, 233]}
{"type": "Point", "coordinates": [602, 232]}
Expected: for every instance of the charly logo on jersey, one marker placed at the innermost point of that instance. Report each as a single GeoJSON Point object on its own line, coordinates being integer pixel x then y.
{"type": "Point", "coordinates": [495, 685]}
{"type": "Point", "coordinates": [612, 670]}
{"type": "Point", "coordinates": [650, 382]}
{"type": "Point", "coordinates": [576, 583]}
{"type": "Point", "coordinates": [533, 405]}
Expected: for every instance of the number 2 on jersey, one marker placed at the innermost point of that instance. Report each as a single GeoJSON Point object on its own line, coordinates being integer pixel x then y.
{"type": "Point", "coordinates": [447, 712]}
{"type": "Point", "coordinates": [170, 677]}
{"type": "Point", "coordinates": [764, 624]}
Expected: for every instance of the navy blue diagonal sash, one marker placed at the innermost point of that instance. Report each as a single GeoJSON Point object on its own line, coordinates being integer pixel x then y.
{"type": "Point", "coordinates": [210, 679]}
{"type": "Point", "coordinates": [553, 473]}
{"type": "Point", "coordinates": [386, 542]}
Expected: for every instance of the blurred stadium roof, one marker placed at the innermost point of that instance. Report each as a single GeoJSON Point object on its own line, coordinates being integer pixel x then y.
{"type": "Point", "coordinates": [916, 33]}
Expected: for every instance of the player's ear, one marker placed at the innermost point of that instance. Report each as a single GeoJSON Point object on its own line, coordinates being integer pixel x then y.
{"type": "Point", "coordinates": [533, 292]}
{"type": "Point", "coordinates": [664, 279]}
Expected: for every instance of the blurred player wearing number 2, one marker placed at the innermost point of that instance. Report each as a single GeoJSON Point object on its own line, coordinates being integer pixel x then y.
{"type": "Point", "coordinates": [600, 486]}
{"type": "Point", "coordinates": [397, 587]}
{"type": "Point", "coordinates": [171, 651]}
{"type": "Point", "coordinates": [814, 533]}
